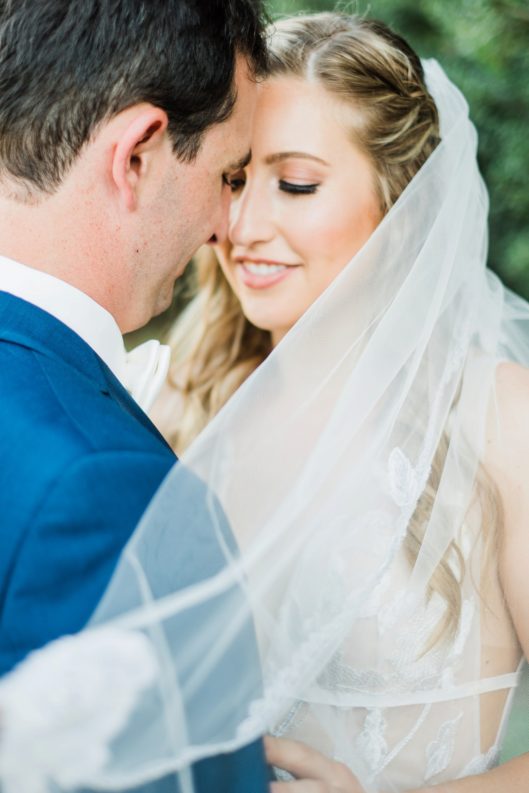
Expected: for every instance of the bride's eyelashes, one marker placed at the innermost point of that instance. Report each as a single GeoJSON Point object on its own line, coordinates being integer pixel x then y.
{"type": "Point", "coordinates": [237, 181]}
{"type": "Point", "coordinates": [297, 189]}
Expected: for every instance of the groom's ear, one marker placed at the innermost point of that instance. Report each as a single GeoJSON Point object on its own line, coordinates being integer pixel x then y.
{"type": "Point", "coordinates": [141, 139]}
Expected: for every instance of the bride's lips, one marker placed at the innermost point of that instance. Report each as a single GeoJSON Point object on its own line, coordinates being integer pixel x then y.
{"type": "Point", "coordinates": [259, 274]}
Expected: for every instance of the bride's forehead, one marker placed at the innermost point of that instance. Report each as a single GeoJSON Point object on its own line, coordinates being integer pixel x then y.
{"type": "Point", "coordinates": [291, 90]}
{"type": "Point", "coordinates": [291, 110]}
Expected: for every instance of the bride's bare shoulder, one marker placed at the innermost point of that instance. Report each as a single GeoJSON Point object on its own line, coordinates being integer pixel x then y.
{"type": "Point", "coordinates": [507, 461]}
{"type": "Point", "coordinates": [512, 380]}
{"type": "Point", "coordinates": [506, 453]}
{"type": "Point", "coordinates": [508, 414]}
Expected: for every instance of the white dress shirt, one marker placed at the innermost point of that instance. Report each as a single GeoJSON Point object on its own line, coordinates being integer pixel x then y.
{"type": "Point", "coordinates": [142, 371]}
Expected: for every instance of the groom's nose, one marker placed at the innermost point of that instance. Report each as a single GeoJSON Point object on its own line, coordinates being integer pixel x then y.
{"type": "Point", "coordinates": [220, 232]}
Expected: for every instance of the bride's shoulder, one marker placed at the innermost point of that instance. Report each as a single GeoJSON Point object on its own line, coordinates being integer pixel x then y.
{"type": "Point", "coordinates": [506, 452]}
{"type": "Point", "coordinates": [512, 380]}
{"type": "Point", "coordinates": [507, 461]}
{"type": "Point", "coordinates": [508, 414]}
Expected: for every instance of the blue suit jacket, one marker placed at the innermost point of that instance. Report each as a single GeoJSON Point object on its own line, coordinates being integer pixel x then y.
{"type": "Point", "coordinates": [80, 462]}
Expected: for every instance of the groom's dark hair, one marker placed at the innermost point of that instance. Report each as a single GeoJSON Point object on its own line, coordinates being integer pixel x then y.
{"type": "Point", "coordinates": [67, 65]}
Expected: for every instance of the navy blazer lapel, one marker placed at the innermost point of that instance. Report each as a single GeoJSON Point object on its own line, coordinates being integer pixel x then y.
{"type": "Point", "coordinates": [29, 326]}
{"type": "Point", "coordinates": [122, 396]}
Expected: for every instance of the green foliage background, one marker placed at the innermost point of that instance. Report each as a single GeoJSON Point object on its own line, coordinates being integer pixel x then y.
{"type": "Point", "coordinates": [483, 46]}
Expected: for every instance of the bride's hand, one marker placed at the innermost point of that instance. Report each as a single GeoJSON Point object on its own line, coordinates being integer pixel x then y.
{"type": "Point", "coordinates": [315, 773]}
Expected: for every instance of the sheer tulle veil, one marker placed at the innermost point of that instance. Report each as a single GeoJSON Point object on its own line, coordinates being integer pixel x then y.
{"type": "Point", "coordinates": [271, 574]}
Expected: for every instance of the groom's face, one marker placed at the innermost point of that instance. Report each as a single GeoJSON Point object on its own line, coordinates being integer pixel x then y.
{"type": "Point", "coordinates": [192, 202]}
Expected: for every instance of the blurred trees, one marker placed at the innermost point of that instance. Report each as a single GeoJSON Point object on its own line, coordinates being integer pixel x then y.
{"type": "Point", "coordinates": [483, 46]}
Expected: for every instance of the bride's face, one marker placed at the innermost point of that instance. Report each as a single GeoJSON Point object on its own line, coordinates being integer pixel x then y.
{"type": "Point", "coordinates": [302, 208]}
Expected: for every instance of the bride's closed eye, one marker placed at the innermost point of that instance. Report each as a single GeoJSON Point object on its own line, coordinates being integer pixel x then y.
{"type": "Point", "coordinates": [237, 182]}
{"type": "Point", "coordinates": [298, 189]}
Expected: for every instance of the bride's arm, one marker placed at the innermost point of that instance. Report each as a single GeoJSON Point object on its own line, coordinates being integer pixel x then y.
{"type": "Point", "coordinates": [319, 774]}
{"type": "Point", "coordinates": [507, 461]}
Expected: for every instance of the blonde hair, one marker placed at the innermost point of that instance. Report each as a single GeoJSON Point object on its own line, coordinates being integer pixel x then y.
{"type": "Point", "coordinates": [213, 350]}
{"type": "Point", "coordinates": [447, 578]}
{"type": "Point", "coordinates": [374, 72]}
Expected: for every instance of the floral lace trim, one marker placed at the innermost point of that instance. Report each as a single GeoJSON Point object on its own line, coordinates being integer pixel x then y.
{"type": "Point", "coordinates": [371, 743]}
{"type": "Point", "coordinates": [440, 751]}
{"type": "Point", "coordinates": [481, 763]}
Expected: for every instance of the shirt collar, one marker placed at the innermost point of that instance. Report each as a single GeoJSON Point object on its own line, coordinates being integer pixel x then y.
{"type": "Point", "coordinates": [142, 371]}
{"type": "Point", "coordinates": [93, 323]}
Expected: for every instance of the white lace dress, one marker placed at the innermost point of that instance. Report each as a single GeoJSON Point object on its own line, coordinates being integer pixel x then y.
{"type": "Point", "coordinates": [401, 717]}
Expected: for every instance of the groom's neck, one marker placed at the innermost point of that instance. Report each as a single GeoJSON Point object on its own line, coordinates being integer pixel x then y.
{"type": "Point", "coordinates": [66, 234]}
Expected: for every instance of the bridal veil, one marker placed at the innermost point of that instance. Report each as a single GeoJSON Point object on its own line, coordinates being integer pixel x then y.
{"type": "Point", "coordinates": [304, 604]}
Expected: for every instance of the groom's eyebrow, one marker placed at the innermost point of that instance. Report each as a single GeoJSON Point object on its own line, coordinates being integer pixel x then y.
{"type": "Point", "coordinates": [241, 164]}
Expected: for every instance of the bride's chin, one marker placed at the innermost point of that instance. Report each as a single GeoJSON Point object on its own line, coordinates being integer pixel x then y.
{"type": "Point", "coordinates": [267, 317]}
{"type": "Point", "coordinates": [258, 322]}
{"type": "Point", "coordinates": [275, 330]}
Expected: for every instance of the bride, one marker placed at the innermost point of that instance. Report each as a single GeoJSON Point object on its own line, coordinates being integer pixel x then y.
{"type": "Point", "coordinates": [354, 382]}
{"type": "Point", "coordinates": [402, 387]}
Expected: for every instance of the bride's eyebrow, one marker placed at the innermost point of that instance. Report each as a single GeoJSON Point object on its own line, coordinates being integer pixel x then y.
{"type": "Point", "coordinates": [272, 159]}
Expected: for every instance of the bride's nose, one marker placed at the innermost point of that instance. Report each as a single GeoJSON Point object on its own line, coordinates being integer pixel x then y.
{"type": "Point", "coordinates": [251, 218]}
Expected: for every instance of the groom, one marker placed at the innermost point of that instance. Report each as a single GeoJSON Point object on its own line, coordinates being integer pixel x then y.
{"type": "Point", "coordinates": [120, 125]}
